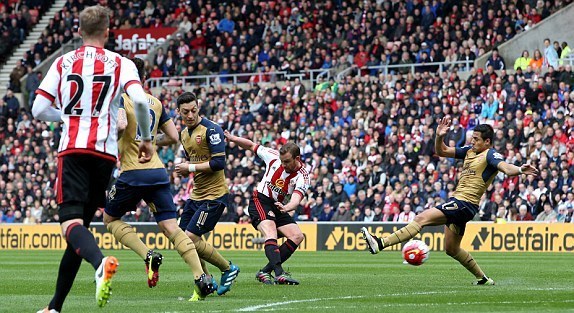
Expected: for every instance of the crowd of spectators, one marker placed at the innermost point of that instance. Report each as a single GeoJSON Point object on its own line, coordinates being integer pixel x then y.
{"type": "Point", "coordinates": [17, 17]}
{"type": "Point", "coordinates": [368, 141]}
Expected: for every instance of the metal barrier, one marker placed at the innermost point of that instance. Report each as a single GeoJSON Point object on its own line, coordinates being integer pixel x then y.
{"type": "Point", "coordinates": [463, 66]}
{"type": "Point", "coordinates": [568, 60]}
{"type": "Point", "coordinates": [235, 78]}
{"type": "Point", "coordinates": [206, 80]}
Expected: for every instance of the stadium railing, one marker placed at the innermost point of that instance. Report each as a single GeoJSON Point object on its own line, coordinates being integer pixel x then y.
{"type": "Point", "coordinates": [463, 66]}
{"type": "Point", "coordinates": [235, 78]}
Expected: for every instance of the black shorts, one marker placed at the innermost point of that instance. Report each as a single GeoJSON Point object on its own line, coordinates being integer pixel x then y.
{"type": "Point", "coordinates": [124, 197]}
{"type": "Point", "coordinates": [458, 213]}
{"type": "Point", "coordinates": [201, 216]}
{"type": "Point", "coordinates": [82, 183]}
{"type": "Point", "coordinates": [263, 208]}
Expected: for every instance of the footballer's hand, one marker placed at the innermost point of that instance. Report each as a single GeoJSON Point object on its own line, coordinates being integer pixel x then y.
{"type": "Point", "coordinates": [145, 151]}
{"type": "Point", "coordinates": [282, 207]}
{"type": "Point", "coordinates": [528, 169]}
{"type": "Point", "coordinates": [228, 135]}
{"type": "Point", "coordinates": [182, 169]}
{"type": "Point", "coordinates": [443, 126]}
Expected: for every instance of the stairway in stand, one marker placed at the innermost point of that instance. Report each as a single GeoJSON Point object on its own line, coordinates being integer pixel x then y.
{"type": "Point", "coordinates": [32, 38]}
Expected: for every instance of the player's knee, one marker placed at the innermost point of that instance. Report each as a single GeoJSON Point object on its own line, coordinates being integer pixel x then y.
{"type": "Point", "coordinates": [297, 238]}
{"type": "Point", "coordinates": [195, 238]}
{"type": "Point", "coordinates": [168, 228]}
{"type": "Point", "coordinates": [108, 219]}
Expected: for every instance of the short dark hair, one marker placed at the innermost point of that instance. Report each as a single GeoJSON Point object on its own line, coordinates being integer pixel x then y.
{"type": "Point", "coordinates": [186, 97]}
{"type": "Point", "coordinates": [291, 148]}
{"type": "Point", "coordinates": [140, 65]}
{"type": "Point", "coordinates": [486, 132]}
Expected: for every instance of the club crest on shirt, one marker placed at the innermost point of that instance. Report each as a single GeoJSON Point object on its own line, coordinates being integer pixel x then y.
{"type": "Point", "coordinates": [198, 139]}
{"type": "Point", "coordinates": [215, 139]}
{"type": "Point", "coordinates": [280, 183]}
{"type": "Point", "coordinates": [270, 213]}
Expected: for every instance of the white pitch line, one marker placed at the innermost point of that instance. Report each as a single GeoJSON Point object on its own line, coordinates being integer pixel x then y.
{"type": "Point", "coordinates": [435, 304]}
{"type": "Point", "coordinates": [270, 305]}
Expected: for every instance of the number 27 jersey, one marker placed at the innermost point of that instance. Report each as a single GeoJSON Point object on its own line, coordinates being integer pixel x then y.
{"type": "Point", "coordinates": [85, 85]}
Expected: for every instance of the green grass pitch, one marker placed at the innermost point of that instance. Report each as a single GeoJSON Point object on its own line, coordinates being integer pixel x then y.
{"type": "Point", "coordinates": [330, 281]}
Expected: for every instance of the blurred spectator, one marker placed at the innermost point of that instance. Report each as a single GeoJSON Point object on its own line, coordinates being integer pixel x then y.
{"type": "Point", "coordinates": [343, 214]}
{"type": "Point", "coordinates": [550, 55]}
{"type": "Point", "coordinates": [523, 61]}
{"type": "Point", "coordinates": [523, 214]}
{"type": "Point", "coordinates": [548, 215]}
{"type": "Point", "coordinates": [566, 51]}
{"type": "Point", "coordinates": [32, 83]}
{"type": "Point", "coordinates": [326, 214]}
{"type": "Point", "coordinates": [537, 61]}
{"type": "Point", "coordinates": [12, 105]}
{"type": "Point", "coordinates": [495, 60]}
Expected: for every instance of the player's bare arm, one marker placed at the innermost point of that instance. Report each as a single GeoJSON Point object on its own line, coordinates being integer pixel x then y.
{"type": "Point", "coordinates": [122, 122]}
{"type": "Point", "coordinates": [169, 135]}
{"type": "Point", "coordinates": [137, 94]}
{"type": "Point", "coordinates": [442, 129]}
{"type": "Point", "coordinates": [292, 205]}
{"type": "Point", "coordinates": [513, 170]}
{"type": "Point", "coordinates": [243, 143]}
{"type": "Point", "coordinates": [184, 168]}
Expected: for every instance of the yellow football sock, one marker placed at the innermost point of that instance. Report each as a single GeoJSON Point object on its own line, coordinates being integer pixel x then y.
{"type": "Point", "coordinates": [402, 235]}
{"type": "Point", "coordinates": [204, 266]}
{"type": "Point", "coordinates": [187, 251]}
{"type": "Point", "coordinates": [469, 263]}
{"type": "Point", "coordinates": [209, 254]}
{"type": "Point", "coordinates": [126, 235]}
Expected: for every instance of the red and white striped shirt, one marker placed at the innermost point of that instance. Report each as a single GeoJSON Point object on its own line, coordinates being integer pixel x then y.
{"type": "Point", "coordinates": [277, 183]}
{"type": "Point", "coordinates": [85, 85]}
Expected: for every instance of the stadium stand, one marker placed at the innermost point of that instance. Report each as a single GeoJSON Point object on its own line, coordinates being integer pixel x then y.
{"type": "Point", "coordinates": [367, 135]}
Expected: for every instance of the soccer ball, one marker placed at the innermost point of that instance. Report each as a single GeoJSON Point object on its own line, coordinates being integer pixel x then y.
{"type": "Point", "coordinates": [415, 252]}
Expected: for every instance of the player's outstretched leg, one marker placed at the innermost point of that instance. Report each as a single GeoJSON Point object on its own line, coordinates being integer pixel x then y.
{"type": "Point", "coordinates": [406, 233]}
{"type": "Point", "coordinates": [374, 243]}
{"type": "Point", "coordinates": [104, 274]}
{"type": "Point", "coordinates": [153, 261]}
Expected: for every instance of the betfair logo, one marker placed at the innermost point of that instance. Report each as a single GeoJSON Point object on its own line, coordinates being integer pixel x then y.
{"type": "Point", "coordinates": [480, 238]}
{"type": "Point", "coordinates": [280, 183]}
{"type": "Point", "coordinates": [511, 237]}
{"type": "Point", "coordinates": [334, 238]}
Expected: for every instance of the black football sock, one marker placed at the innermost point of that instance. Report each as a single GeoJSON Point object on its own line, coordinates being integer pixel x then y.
{"type": "Point", "coordinates": [84, 244]}
{"type": "Point", "coordinates": [285, 251]}
{"type": "Point", "coordinates": [273, 255]}
{"type": "Point", "coordinates": [69, 266]}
